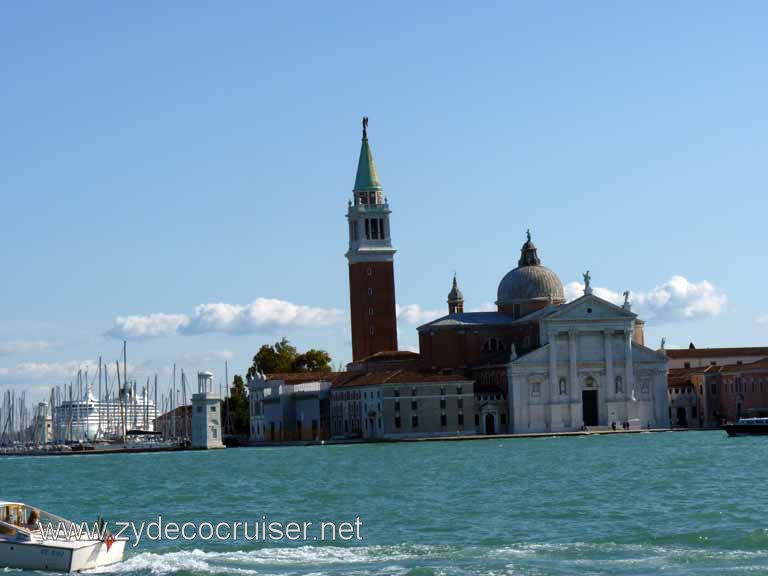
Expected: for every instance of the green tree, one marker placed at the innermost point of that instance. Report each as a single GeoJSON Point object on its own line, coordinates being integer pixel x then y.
{"type": "Point", "coordinates": [237, 404]}
{"type": "Point", "coordinates": [283, 357]}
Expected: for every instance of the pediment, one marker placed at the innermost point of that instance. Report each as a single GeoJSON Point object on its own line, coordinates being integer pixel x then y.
{"type": "Point", "coordinates": [591, 307]}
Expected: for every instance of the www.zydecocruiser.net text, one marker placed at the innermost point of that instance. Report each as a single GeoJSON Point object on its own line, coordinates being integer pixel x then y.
{"type": "Point", "coordinates": [261, 530]}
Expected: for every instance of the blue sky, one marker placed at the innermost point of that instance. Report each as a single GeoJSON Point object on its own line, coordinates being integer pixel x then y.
{"type": "Point", "coordinates": [156, 157]}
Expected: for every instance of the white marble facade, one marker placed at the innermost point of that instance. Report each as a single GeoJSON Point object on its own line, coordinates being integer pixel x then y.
{"type": "Point", "coordinates": [589, 371]}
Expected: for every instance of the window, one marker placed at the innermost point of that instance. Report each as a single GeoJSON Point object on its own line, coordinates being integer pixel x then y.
{"type": "Point", "coordinates": [370, 310]}
{"type": "Point", "coordinates": [213, 408]}
{"type": "Point", "coordinates": [398, 422]}
{"type": "Point", "coordinates": [443, 420]}
{"type": "Point", "coordinates": [367, 232]}
{"type": "Point", "coordinates": [503, 419]}
{"type": "Point", "coordinates": [371, 330]}
{"type": "Point", "coordinates": [563, 387]}
{"type": "Point", "coordinates": [369, 271]}
{"type": "Point", "coordinates": [619, 385]}
{"type": "Point", "coordinates": [459, 391]}
{"type": "Point", "coordinates": [199, 409]}
{"type": "Point", "coordinates": [415, 421]}
{"type": "Point", "coordinates": [381, 228]}
{"type": "Point", "coordinates": [414, 404]}
{"type": "Point", "coordinates": [686, 365]}
{"type": "Point", "coordinates": [477, 419]}
{"type": "Point", "coordinates": [442, 403]}
{"type": "Point", "coordinates": [413, 391]}
{"type": "Point", "coordinates": [461, 419]}
{"type": "Point", "coordinates": [535, 389]}
{"type": "Point", "coordinates": [645, 386]}
{"type": "Point", "coordinates": [397, 393]}
{"type": "Point", "coordinates": [375, 229]}
{"type": "Point", "coordinates": [370, 291]}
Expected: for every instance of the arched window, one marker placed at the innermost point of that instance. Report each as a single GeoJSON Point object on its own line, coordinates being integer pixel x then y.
{"type": "Point", "coordinates": [619, 385]}
{"type": "Point", "coordinates": [563, 387]}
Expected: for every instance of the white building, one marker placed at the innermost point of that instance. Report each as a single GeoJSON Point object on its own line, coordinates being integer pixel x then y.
{"type": "Point", "coordinates": [589, 371]}
{"type": "Point", "coordinates": [206, 414]}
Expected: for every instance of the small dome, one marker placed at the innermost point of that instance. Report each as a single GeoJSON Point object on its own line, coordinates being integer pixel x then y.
{"type": "Point", "coordinates": [530, 280]}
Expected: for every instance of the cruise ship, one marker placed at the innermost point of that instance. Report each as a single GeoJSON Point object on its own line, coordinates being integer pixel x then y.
{"type": "Point", "coordinates": [89, 418]}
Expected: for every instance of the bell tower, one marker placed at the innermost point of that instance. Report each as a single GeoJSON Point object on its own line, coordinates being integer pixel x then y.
{"type": "Point", "coordinates": [371, 262]}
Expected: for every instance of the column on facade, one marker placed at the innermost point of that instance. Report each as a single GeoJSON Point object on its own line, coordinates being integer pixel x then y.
{"type": "Point", "coordinates": [609, 374]}
{"type": "Point", "coordinates": [552, 378]}
{"type": "Point", "coordinates": [628, 379]}
{"type": "Point", "coordinates": [573, 378]}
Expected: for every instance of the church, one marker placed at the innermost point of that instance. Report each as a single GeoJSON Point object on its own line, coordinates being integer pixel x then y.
{"type": "Point", "coordinates": [536, 364]}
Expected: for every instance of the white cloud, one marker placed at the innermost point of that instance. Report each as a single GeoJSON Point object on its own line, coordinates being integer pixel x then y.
{"type": "Point", "coordinates": [762, 319]}
{"type": "Point", "coordinates": [23, 346]}
{"type": "Point", "coordinates": [150, 326]}
{"type": "Point", "coordinates": [676, 299]}
{"type": "Point", "coordinates": [415, 315]}
{"type": "Point", "coordinates": [262, 315]}
{"type": "Point", "coordinates": [485, 307]}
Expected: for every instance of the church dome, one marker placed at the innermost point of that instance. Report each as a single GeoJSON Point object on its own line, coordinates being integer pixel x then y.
{"type": "Point", "coordinates": [530, 281]}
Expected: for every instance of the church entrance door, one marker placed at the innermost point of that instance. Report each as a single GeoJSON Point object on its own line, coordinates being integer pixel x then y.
{"type": "Point", "coordinates": [489, 424]}
{"type": "Point", "coordinates": [589, 407]}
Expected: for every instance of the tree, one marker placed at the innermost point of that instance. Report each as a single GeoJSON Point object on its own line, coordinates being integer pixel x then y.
{"type": "Point", "coordinates": [237, 405]}
{"type": "Point", "coordinates": [283, 357]}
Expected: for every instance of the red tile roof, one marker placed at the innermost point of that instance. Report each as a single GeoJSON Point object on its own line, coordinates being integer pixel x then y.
{"type": "Point", "coordinates": [715, 352]}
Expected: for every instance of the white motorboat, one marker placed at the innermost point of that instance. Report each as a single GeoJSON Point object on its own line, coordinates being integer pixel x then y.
{"type": "Point", "coordinates": [32, 539]}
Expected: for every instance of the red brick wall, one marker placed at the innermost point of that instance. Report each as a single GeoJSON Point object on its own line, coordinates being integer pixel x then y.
{"type": "Point", "coordinates": [380, 277]}
{"type": "Point", "coordinates": [462, 347]}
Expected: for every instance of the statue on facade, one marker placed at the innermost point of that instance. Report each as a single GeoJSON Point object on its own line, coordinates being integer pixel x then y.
{"type": "Point", "coordinates": [663, 342]}
{"type": "Point", "coordinates": [365, 126]}
{"type": "Point", "coordinates": [528, 234]}
{"type": "Point", "coordinates": [587, 281]}
{"type": "Point", "coordinates": [626, 297]}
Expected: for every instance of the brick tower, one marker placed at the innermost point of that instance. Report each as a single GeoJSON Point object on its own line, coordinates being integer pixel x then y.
{"type": "Point", "coordinates": [371, 258]}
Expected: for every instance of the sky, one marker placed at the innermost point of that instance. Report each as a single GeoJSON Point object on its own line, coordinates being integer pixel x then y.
{"type": "Point", "coordinates": [176, 174]}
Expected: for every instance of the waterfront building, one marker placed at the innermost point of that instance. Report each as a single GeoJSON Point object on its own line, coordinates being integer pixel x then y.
{"type": "Point", "coordinates": [544, 365]}
{"type": "Point", "coordinates": [206, 414]}
{"type": "Point", "coordinates": [687, 401]}
{"type": "Point", "coordinates": [176, 423]}
{"type": "Point", "coordinates": [735, 390]}
{"type": "Point", "coordinates": [693, 357]}
{"type": "Point", "coordinates": [290, 407]}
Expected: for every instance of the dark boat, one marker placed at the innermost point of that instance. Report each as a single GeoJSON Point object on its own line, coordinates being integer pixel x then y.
{"type": "Point", "coordinates": [748, 427]}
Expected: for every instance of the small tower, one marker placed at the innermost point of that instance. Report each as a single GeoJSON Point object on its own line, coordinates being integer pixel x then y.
{"type": "Point", "coordinates": [371, 262]}
{"type": "Point", "coordinates": [455, 299]}
{"type": "Point", "coordinates": [206, 414]}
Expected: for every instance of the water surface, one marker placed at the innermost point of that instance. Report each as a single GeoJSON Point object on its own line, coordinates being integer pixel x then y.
{"type": "Point", "coordinates": [681, 503]}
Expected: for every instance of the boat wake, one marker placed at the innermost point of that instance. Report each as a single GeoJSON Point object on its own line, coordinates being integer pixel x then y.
{"type": "Point", "coordinates": [258, 561]}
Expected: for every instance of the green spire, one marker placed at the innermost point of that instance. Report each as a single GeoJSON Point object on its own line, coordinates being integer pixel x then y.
{"type": "Point", "coordinates": [367, 178]}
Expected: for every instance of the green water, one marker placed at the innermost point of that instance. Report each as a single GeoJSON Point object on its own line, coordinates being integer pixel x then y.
{"type": "Point", "coordinates": [677, 503]}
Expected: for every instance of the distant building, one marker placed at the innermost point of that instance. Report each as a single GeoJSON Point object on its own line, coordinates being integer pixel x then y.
{"type": "Point", "coordinates": [687, 402]}
{"type": "Point", "coordinates": [693, 357]}
{"type": "Point", "coordinates": [395, 404]}
{"type": "Point", "coordinates": [736, 390]}
{"type": "Point", "coordinates": [290, 407]}
{"type": "Point", "coordinates": [176, 423]}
